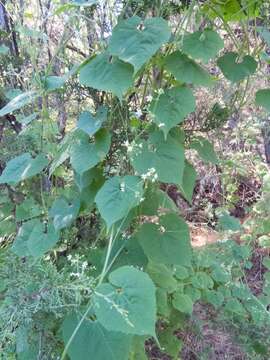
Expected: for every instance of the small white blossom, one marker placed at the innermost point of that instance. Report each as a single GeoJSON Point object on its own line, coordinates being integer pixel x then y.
{"type": "Point", "coordinates": [162, 229]}
{"type": "Point", "coordinates": [75, 274]}
{"type": "Point", "coordinates": [160, 91]}
{"type": "Point", "coordinates": [138, 113]}
{"type": "Point", "coordinates": [84, 265]}
{"type": "Point", "coordinates": [123, 187]}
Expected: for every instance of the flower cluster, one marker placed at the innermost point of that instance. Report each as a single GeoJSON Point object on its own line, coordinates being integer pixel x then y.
{"type": "Point", "coordinates": [150, 175]}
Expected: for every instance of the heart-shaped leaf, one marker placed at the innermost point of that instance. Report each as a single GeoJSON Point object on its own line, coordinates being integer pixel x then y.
{"type": "Point", "coordinates": [64, 212]}
{"type": "Point", "coordinates": [28, 209]}
{"type": "Point", "coordinates": [236, 71]}
{"type": "Point", "coordinates": [205, 149]}
{"type": "Point", "coordinates": [135, 41]}
{"type": "Point", "coordinates": [86, 178]}
{"type": "Point", "coordinates": [128, 251]}
{"type": "Point", "coordinates": [164, 160]}
{"type": "Point", "coordinates": [119, 305]}
{"type": "Point", "coordinates": [171, 107]}
{"type": "Point", "coordinates": [167, 242]}
{"type": "Point", "coordinates": [263, 98]}
{"type": "Point", "coordinates": [85, 155]}
{"type": "Point", "coordinates": [107, 73]}
{"type": "Point", "coordinates": [90, 123]}
{"type": "Point", "coordinates": [94, 340]}
{"type": "Point", "coordinates": [202, 45]}
{"type": "Point", "coordinates": [118, 196]}
{"type": "Point", "coordinates": [186, 70]}
{"type": "Point", "coordinates": [35, 239]}
{"type": "Point", "coordinates": [23, 167]}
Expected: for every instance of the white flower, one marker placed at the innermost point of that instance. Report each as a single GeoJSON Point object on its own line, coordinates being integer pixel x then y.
{"type": "Point", "coordinates": [161, 125]}
{"type": "Point", "coordinates": [75, 274]}
{"type": "Point", "coordinates": [138, 113]}
{"type": "Point", "coordinates": [151, 175]}
{"type": "Point", "coordinates": [84, 265]}
{"type": "Point", "coordinates": [162, 229]}
{"type": "Point", "coordinates": [122, 187]}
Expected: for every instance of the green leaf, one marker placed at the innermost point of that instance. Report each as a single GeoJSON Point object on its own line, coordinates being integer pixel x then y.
{"type": "Point", "coordinates": [189, 180]}
{"type": "Point", "coordinates": [166, 159]}
{"type": "Point", "coordinates": [85, 155]}
{"type": "Point", "coordinates": [64, 212]}
{"type": "Point", "coordinates": [265, 34]}
{"type": "Point", "coordinates": [220, 274]}
{"type": "Point", "coordinates": [28, 209]}
{"type": "Point", "coordinates": [90, 123]}
{"type": "Point", "coordinates": [155, 199]}
{"type": "Point", "coordinates": [205, 149]}
{"type": "Point", "coordinates": [107, 73]}
{"type": "Point", "coordinates": [234, 306]}
{"type": "Point", "coordinates": [232, 10]}
{"type": "Point", "coordinates": [202, 281]}
{"type": "Point", "coordinates": [193, 293]}
{"type": "Point", "coordinates": [7, 227]}
{"type": "Point", "coordinates": [170, 343]}
{"type": "Point", "coordinates": [135, 41]}
{"type": "Point", "coordinates": [83, 3]}
{"type": "Point", "coordinates": [235, 70]}
{"type": "Point", "coordinates": [163, 307]}
{"type": "Point", "coordinates": [162, 277]}
{"type": "Point", "coordinates": [4, 50]}
{"type": "Point", "coordinates": [181, 272]}
{"type": "Point", "coordinates": [88, 194]}
{"type": "Point", "coordinates": [63, 149]}
{"type": "Point", "coordinates": [93, 341]}
{"type": "Point", "coordinates": [183, 303]}
{"type": "Point", "coordinates": [266, 262]}
{"type": "Point", "coordinates": [203, 45]}
{"type": "Point", "coordinates": [227, 222]}
{"type": "Point", "coordinates": [263, 98]}
{"type": "Point", "coordinates": [19, 246]}
{"type": "Point", "coordinates": [186, 70]}
{"type": "Point", "coordinates": [34, 238]}
{"type": "Point", "coordinates": [138, 348]}
{"type": "Point", "coordinates": [18, 102]}
{"type": "Point", "coordinates": [119, 305]}
{"type": "Point", "coordinates": [131, 253]}
{"type": "Point", "coordinates": [85, 179]}
{"type": "Point", "coordinates": [118, 196]}
{"type": "Point", "coordinates": [171, 107]}
{"type": "Point", "coordinates": [23, 167]}
{"type": "Point", "coordinates": [214, 297]}
{"type": "Point", "coordinates": [52, 82]}
{"type": "Point", "coordinates": [167, 242]}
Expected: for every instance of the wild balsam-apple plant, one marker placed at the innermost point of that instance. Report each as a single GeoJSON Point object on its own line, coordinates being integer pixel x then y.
{"type": "Point", "coordinates": [120, 154]}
